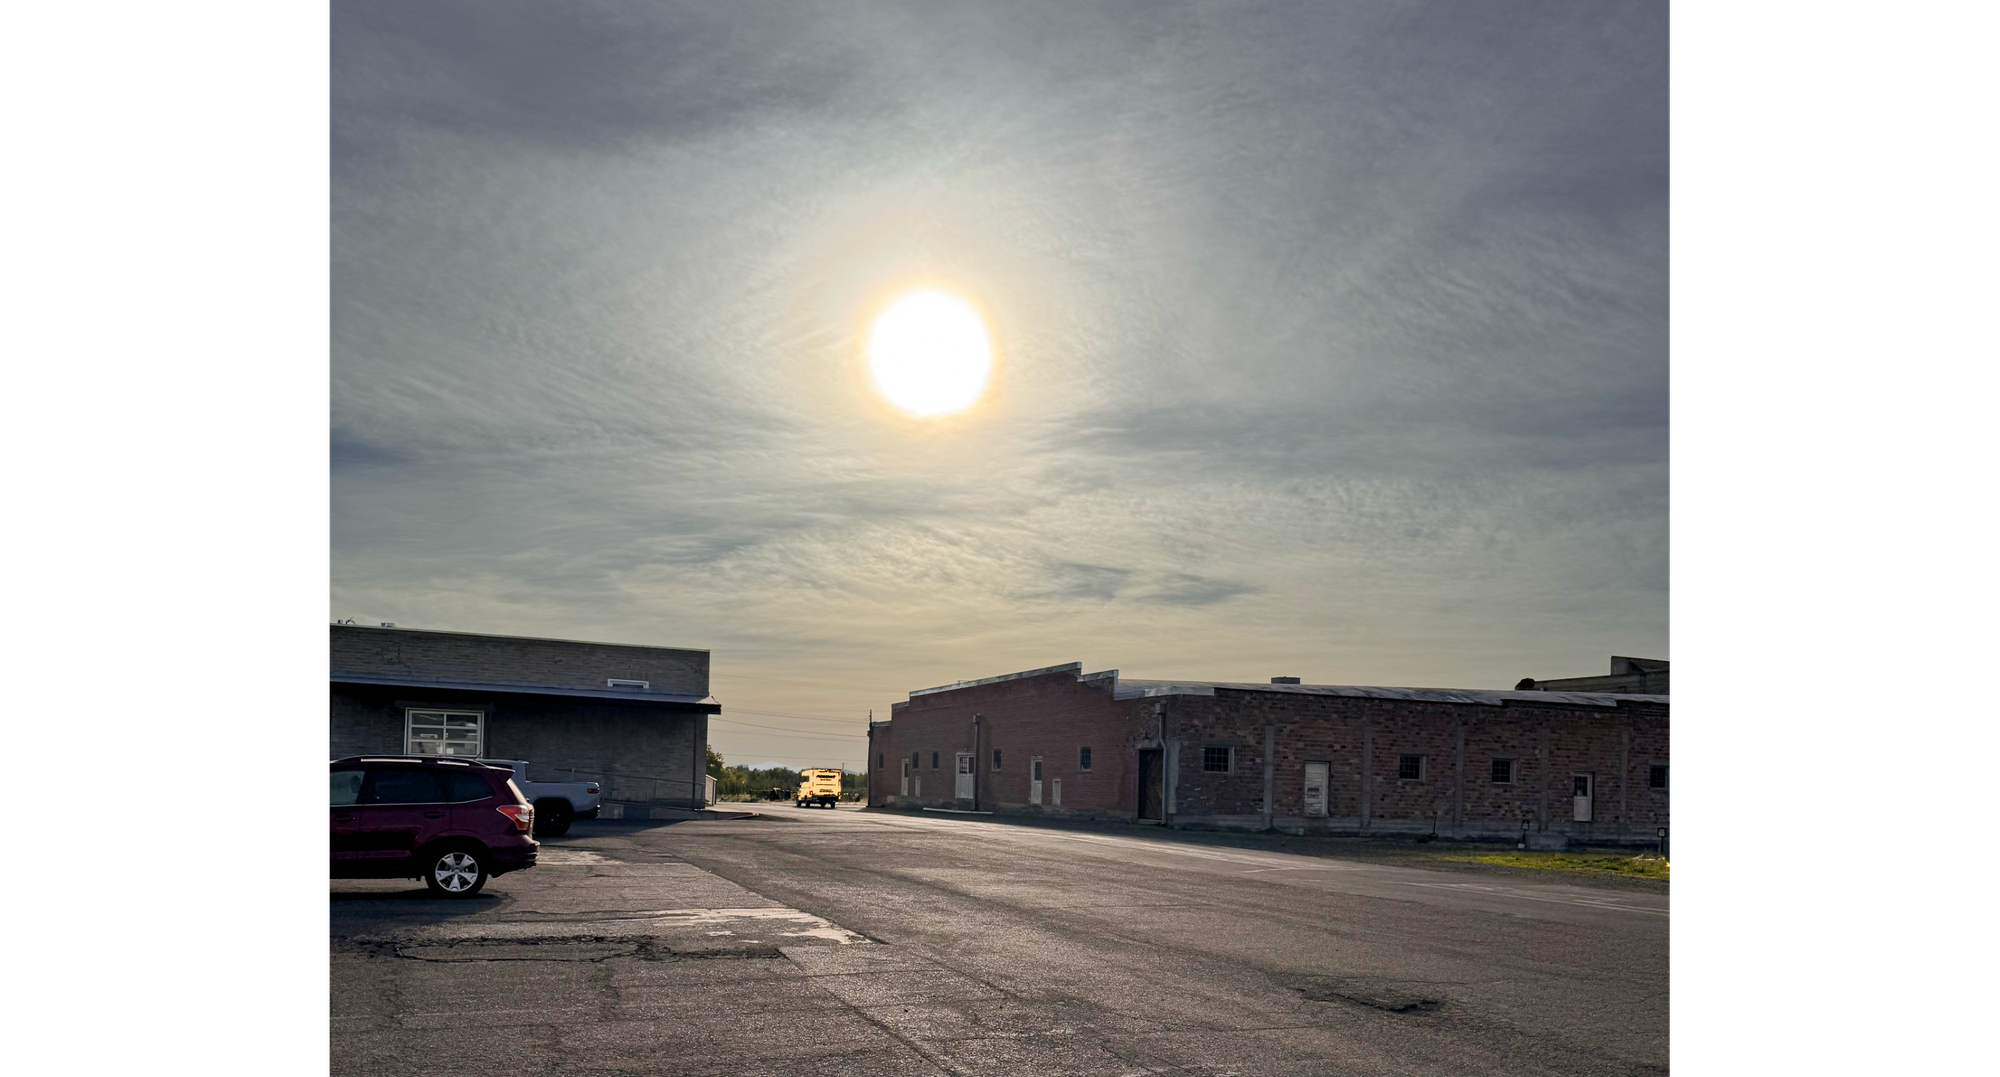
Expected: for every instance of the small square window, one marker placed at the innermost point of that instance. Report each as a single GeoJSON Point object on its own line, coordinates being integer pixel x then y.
{"type": "Point", "coordinates": [1657, 779]}
{"type": "Point", "coordinates": [1215, 759]}
{"type": "Point", "coordinates": [996, 759]}
{"type": "Point", "coordinates": [1503, 771]}
{"type": "Point", "coordinates": [1411, 769]}
{"type": "Point", "coordinates": [1083, 759]}
{"type": "Point", "coordinates": [934, 760]}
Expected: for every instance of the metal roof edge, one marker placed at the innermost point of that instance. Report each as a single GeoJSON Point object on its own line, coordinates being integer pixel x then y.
{"type": "Point", "coordinates": [1144, 688]}
{"type": "Point", "coordinates": [532, 639]}
{"type": "Point", "coordinates": [1064, 668]}
{"type": "Point", "coordinates": [681, 699]}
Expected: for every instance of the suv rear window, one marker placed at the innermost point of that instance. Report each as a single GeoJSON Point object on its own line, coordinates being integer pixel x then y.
{"type": "Point", "coordinates": [402, 785]}
{"type": "Point", "coordinates": [461, 786]}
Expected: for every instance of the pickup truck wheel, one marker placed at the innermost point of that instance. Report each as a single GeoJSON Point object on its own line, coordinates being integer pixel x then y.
{"type": "Point", "coordinates": [552, 818]}
{"type": "Point", "coordinates": [457, 873]}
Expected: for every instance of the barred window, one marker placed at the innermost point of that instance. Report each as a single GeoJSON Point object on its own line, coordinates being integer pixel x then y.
{"type": "Point", "coordinates": [1503, 771]}
{"type": "Point", "coordinates": [1083, 759]}
{"type": "Point", "coordinates": [934, 760]}
{"type": "Point", "coordinates": [1411, 768]}
{"type": "Point", "coordinates": [1658, 778]}
{"type": "Point", "coordinates": [1215, 759]}
{"type": "Point", "coordinates": [996, 759]}
{"type": "Point", "coordinates": [916, 760]}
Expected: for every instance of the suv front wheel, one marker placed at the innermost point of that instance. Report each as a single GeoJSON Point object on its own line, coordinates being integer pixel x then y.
{"type": "Point", "coordinates": [455, 873]}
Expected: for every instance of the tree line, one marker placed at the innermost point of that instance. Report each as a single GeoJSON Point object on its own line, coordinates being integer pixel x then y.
{"type": "Point", "coordinates": [745, 781]}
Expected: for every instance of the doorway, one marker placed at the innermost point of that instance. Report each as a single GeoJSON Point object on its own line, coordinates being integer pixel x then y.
{"type": "Point", "coordinates": [1316, 779]}
{"type": "Point", "coordinates": [906, 777]}
{"type": "Point", "coordinates": [1035, 781]}
{"type": "Point", "coordinates": [964, 789]}
{"type": "Point", "coordinates": [1581, 794]}
{"type": "Point", "coordinates": [1152, 796]}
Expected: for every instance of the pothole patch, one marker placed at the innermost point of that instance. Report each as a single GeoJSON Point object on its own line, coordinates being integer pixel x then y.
{"type": "Point", "coordinates": [1389, 996]}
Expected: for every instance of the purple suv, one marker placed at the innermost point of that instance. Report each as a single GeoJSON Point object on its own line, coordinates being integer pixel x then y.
{"type": "Point", "coordinates": [452, 823]}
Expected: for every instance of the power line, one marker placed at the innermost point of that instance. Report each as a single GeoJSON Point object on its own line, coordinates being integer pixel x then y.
{"type": "Point", "coordinates": [782, 729]}
{"type": "Point", "coordinates": [784, 714]}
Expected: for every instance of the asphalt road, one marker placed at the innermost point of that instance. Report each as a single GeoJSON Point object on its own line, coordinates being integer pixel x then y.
{"type": "Point", "coordinates": [861, 943]}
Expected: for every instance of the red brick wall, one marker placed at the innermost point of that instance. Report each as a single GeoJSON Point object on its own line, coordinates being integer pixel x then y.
{"type": "Point", "coordinates": [1333, 729]}
{"type": "Point", "coordinates": [1051, 715]}
{"type": "Point", "coordinates": [1054, 714]}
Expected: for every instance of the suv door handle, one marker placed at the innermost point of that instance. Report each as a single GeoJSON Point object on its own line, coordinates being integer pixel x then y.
{"type": "Point", "coordinates": [433, 815]}
{"type": "Point", "coordinates": [343, 818]}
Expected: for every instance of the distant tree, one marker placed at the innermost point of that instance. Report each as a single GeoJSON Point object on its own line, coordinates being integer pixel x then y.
{"type": "Point", "coordinates": [715, 766]}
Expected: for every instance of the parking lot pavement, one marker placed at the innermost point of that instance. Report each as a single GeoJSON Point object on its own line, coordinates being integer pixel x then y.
{"type": "Point", "coordinates": [601, 959]}
{"type": "Point", "coordinates": [864, 943]}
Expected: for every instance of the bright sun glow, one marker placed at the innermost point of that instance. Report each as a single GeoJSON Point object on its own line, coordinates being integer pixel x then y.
{"type": "Point", "coordinates": [928, 354]}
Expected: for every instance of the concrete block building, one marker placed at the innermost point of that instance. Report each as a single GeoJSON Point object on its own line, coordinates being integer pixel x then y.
{"type": "Point", "coordinates": [1565, 767]}
{"type": "Point", "coordinates": [633, 718]}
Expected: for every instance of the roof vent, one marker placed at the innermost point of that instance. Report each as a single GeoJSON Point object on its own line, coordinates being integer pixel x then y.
{"type": "Point", "coordinates": [1284, 680]}
{"type": "Point", "coordinates": [388, 624]}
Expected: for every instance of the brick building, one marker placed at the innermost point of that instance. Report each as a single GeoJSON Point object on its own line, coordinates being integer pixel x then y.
{"type": "Point", "coordinates": [1302, 758]}
{"type": "Point", "coordinates": [633, 718]}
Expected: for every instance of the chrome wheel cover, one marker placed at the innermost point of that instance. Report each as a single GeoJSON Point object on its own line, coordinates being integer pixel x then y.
{"type": "Point", "coordinates": [456, 872]}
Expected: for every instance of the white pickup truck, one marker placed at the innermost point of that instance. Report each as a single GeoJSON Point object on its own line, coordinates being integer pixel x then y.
{"type": "Point", "coordinates": [557, 804]}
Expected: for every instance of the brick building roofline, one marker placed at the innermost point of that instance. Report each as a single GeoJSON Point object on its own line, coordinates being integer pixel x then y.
{"type": "Point", "coordinates": [1066, 667]}
{"type": "Point", "coordinates": [1139, 689]}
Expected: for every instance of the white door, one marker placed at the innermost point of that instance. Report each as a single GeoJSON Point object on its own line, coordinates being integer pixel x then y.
{"type": "Point", "coordinates": [1316, 778]}
{"type": "Point", "coordinates": [1055, 792]}
{"type": "Point", "coordinates": [1580, 798]}
{"type": "Point", "coordinates": [964, 791]}
{"type": "Point", "coordinates": [1035, 780]}
{"type": "Point", "coordinates": [906, 777]}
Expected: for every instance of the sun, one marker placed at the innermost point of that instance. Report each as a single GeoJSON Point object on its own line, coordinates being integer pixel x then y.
{"type": "Point", "coordinates": [929, 354]}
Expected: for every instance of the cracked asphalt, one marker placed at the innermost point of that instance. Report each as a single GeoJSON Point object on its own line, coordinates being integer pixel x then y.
{"type": "Point", "coordinates": [861, 943]}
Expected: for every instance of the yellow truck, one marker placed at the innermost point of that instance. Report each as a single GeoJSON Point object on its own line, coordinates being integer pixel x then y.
{"type": "Point", "coordinates": [819, 786]}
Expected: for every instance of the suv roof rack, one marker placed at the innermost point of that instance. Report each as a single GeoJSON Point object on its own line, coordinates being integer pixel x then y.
{"type": "Point", "coordinates": [456, 761]}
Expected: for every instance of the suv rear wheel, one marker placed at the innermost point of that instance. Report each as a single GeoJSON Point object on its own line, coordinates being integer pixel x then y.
{"type": "Point", "coordinates": [455, 873]}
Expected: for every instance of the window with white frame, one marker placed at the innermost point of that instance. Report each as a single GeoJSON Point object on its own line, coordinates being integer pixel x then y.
{"type": "Point", "coordinates": [429, 732]}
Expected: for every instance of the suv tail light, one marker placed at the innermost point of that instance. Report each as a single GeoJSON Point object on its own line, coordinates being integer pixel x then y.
{"type": "Point", "coordinates": [522, 815]}
{"type": "Point", "coordinates": [591, 788]}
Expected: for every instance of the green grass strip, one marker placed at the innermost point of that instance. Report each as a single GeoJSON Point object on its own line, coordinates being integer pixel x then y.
{"type": "Point", "coordinates": [1645, 867]}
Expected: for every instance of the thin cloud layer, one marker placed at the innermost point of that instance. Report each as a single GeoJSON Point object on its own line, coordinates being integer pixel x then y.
{"type": "Point", "coordinates": [1333, 337]}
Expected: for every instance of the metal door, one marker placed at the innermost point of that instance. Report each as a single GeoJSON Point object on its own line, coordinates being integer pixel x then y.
{"type": "Point", "coordinates": [1152, 795]}
{"type": "Point", "coordinates": [1580, 797]}
{"type": "Point", "coordinates": [1055, 792]}
{"type": "Point", "coordinates": [1316, 779]}
{"type": "Point", "coordinates": [964, 791]}
{"type": "Point", "coordinates": [906, 777]}
{"type": "Point", "coordinates": [1035, 780]}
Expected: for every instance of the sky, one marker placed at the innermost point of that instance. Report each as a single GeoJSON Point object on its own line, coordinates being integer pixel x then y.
{"type": "Point", "coordinates": [1332, 340]}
